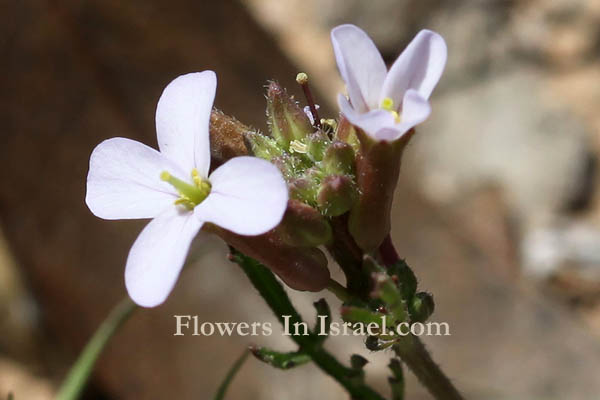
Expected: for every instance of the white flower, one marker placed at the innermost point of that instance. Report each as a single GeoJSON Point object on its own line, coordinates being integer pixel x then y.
{"type": "Point", "coordinates": [387, 104]}
{"type": "Point", "coordinates": [128, 179]}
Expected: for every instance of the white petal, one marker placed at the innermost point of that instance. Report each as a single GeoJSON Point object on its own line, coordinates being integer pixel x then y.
{"type": "Point", "coordinates": [182, 119]}
{"type": "Point", "coordinates": [124, 180]}
{"type": "Point", "coordinates": [158, 254]}
{"type": "Point", "coordinates": [248, 196]}
{"type": "Point", "coordinates": [371, 122]}
{"type": "Point", "coordinates": [415, 109]}
{"type": "Point", "coordinates": [419, 67]}
{"type": "Point", "coordinates": [360, 65]}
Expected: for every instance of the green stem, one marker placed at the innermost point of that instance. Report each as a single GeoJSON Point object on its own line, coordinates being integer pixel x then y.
{"type": "Point", "coordinates": [80, 371]}
{"type": "Point", "coordinates": [339, 291]}
{"type": "Point", "coordinates": [414, 354]}
{"type": "Point", "coordinates": [230, 375]}
{"type": "Point", "coordinates": [277, 299]}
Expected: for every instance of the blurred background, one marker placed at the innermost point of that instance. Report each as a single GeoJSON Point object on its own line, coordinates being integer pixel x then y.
{"type": "Point", "coordinates": [497, 207]}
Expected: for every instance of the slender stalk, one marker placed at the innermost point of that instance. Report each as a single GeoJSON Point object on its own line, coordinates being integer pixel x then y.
{"type": "Point", "coordinates": [80, 371]}
{"type": "Point", "coordinates": [414, 354]}
{"type": "Point", "coordinates": [412, 351]}
{"type": "Point", "coordinates": [276, 297]}
{"type": "Point", "coordinates": [339, 291]}
{"type": "Point", "coordinates": [302, 80]}
{"type": "Point", "coordinates": [220, 395]}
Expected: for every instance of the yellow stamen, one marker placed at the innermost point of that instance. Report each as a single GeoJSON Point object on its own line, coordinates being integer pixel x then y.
{"type": "Point", "coordinates": [388, 105]}
{"type": "Point", "coordinates": [297, 146]}
{"type": "Point", "coordinates": [190, 195]}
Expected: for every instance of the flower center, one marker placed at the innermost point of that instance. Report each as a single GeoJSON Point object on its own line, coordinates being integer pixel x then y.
{"type": "Point", "coordinates": [190, 194]}
{"type": "Point", "coordinates": [388, 105]}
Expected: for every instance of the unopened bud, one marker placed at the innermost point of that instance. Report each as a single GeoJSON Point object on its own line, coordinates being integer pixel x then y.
{"type": "Point", "coordinates": [337, 194]}
{"type": "Point", "coordinates": [317, 144]}
{"type": "Point", "coordinates": [262, 146]}
{"type": "Point", "coordinates": [304, 226]}
{"type": "Point", "coordinates": [226, 138]}
{"type": "Point", "coordinates": [286, 118]}
{"type": "Point", "coordinates": [339, 159]}
{"type": "Point", "coordinates": [306, 187]}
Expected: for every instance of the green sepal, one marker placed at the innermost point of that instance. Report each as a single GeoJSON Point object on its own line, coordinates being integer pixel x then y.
{"type": "Point", "coordinates": [262, 146]}
{"type": "Point", "coordinates": [338, 159]}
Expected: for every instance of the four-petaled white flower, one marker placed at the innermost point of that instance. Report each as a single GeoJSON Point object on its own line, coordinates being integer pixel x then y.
{"type": "Point", "coordinates": [128, 179]}
{"type": "Point", "coordinates": [387, 104]}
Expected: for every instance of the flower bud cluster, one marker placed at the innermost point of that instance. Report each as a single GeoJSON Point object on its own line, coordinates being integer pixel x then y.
{"type": "Point", "coordinates": [318, 167]}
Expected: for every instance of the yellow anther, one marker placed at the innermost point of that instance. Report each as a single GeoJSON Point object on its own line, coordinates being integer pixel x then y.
{"type": "Point", "coordinates": [297, 146]}
{"type": "Point", "coordinates": [387, 104]}
{"type": "Point", "coordinates": [196, 177]}
{"type": "Point", "coordinates": [302, 78]}
{"type": "Point", "coordinates": [165, 176]}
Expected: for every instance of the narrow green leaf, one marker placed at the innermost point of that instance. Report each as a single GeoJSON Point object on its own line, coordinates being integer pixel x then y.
{"type": "Point", "coordinates": [220, 395]}
{"type": "Point", "coordinates": [80, 371]}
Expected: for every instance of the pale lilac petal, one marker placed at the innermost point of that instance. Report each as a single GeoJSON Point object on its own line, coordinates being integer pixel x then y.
{"type": "Point", "coordinates": [158, 254]}
{"type": "Point", "coordinates": [415, 109]}
{"type": "Point", "coordinates": [182, 119]}
{"type": "Point", "coordinates": [360, 65]}
{"type": "Point", "coordinates": [419, 67]}
{"type": "Point", "coordinates": [248, 196]}
{"type": "Point", "coordinates": [371, 122]}
{"type": "Point", "coordinates": [124, 180]}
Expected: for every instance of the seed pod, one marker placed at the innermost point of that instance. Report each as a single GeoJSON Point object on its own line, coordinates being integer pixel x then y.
{"type": "Point", "coordinates": [301, 268]}
{"type": "Point", "coordinates": [303, 226]}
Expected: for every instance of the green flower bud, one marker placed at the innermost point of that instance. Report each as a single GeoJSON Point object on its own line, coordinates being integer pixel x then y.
{"type": "Point", "coordinates": [339, 159]}
{"type": "Point", "coordinates": [303, 226]}
{"type": "Point", "coordinates": [337, 194]}
{"type": "Point", "coordinates": [421, 307]}
{"type": "Point", "coordinates": [303, 189]}
{"type": "Point", "coordinates": [262, 146]}
{"type": "Point", "coordinates": [317, 144]}
{"type": "Point", "coordinates": [286, 118]}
